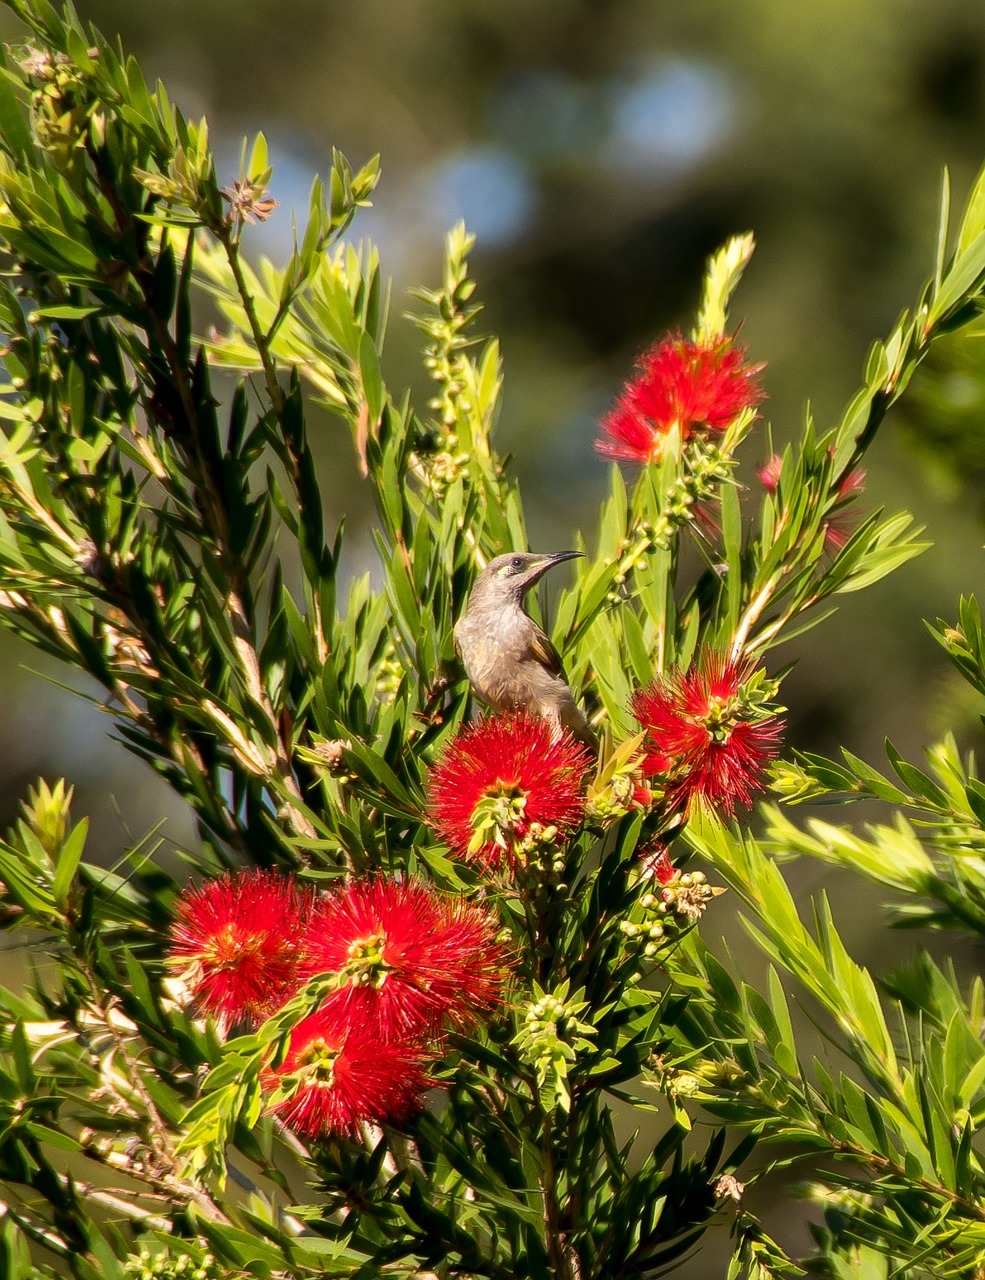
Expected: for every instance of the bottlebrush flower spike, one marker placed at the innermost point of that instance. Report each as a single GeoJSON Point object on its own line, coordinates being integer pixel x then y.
{"type": "Point", "coordinates": [690, 386]}
{"type": "Point", "coordinates": [506, 779]}
{"type": "Point", "coordinates": [237, 938]}
{"type": "Point", "coordinates": [708, 733]}
{"type": "Point", "coordinates": [769, 472]}
{"type": "Point", "coordinates": [411, 962]}
{"type": "Point", "coordinates": [336, 1075]}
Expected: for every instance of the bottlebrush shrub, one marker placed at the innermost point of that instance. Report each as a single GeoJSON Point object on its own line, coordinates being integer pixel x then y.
{"type": "Point", "coordinates": [425, 951]}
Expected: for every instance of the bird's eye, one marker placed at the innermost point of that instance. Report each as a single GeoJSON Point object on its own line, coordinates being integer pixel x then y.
{"type": "Point", "coordinates": [516, 564]}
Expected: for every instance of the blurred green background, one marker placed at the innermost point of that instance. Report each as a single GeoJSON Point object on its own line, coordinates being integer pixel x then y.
{"type": "Point", "coordinates": [601, 150]}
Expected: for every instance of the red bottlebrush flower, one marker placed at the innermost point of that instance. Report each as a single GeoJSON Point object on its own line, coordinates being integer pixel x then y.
{"type": "Point", "coordinates": [238, 938]}
{"type": "Point", "coordinates": [411, 961]}
{"type": "Point", "coordinates": [505, 778]}
{"type": "Point", "coordinates": [704, 736]}
{"type": "Point", "coordinates": [336, 1075]}
{"type": "Point", "coordinates": [769, 472]}
{"type": "Point", "coordinates": [689, 385]}
{"type": "Point", "coordinates": [839, 526]}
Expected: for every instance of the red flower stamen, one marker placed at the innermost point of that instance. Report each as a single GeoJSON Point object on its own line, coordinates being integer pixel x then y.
{"type": "Point", "coordinates": [840, 524]}
{"type": "Point", "coordinates": [501, 780]}
{"type": "Point", "coordinates": [704, 738]}
{"type": "Point", "coordinates": [237, 939]}
{"type": "Point", "coordinates": [655, 864]}
{"type": "Point", "coordinates": [338, 1075]}
{"type": "Point", "coordinates": [411, 962]}
{"type": "Point", "coordinates": [769, 472]}
{"type": "Point", "coordinates": [690, 386]}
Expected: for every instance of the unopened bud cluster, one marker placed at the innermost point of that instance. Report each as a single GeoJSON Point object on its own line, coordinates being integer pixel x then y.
{"type": "Point", "coordinates": [440, 459]}
{"type": "Point", "coordinates": [792, 781]}
{"type": "Point", "coordinates": [545, 1015]}
{"type": "Point", "coordinates": [389, 674]}
{"type": "Point", "coordinates": [550, 1038]}
{"type": "Point", "coordinates": [646, 938]}
{"type": "Point", "coordinates": [60, 106]}
{"type": "Point", "coordinates": [631, 553]}
{"type": "Point", "coordinates": [690, 1080]}
{"type": "Point", "coordinates": [171, 1266]}
{"type": "Point", "coordinates": [665, 908]}
{"type": "Point", "coordinates": [706, 468]}
{"type": "Point", "coordinates": [444, 363]}
{"type": "Point", "coordinates": [444, 463]}
{"type": "Point", "coordinates": [539, 849]}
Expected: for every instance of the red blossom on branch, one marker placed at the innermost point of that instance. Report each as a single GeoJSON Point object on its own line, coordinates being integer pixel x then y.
{"type": "Point", "coordinates": [237, 939]}
{"type": "Point", "coordinates": [337, 1075]}
{"type": "Point", "coordinates": [692, 386]}
{"type": "Point", "coordinates": [655, 864]}
{"type": "Point", "coordinates": [769, 472]}
{"type": "Point", "coordinates": [705, 737]}
{"type": "Point", "coordinates": [503, 779]}
{"type": "Point", "coordinates": [839, 525]}
{"type": "Point", "coordinates": [411, 961]}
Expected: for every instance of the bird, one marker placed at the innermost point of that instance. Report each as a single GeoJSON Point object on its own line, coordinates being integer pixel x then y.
{"type": "Point", "coordinates": [510, 662]}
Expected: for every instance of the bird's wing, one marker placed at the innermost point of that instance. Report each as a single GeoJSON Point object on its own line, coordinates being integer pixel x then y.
{"type": "Point", "coordinates": [543, 650]}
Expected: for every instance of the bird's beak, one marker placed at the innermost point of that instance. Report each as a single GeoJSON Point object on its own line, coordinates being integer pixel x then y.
{"type": "Point", "coordinates": [540, 567]}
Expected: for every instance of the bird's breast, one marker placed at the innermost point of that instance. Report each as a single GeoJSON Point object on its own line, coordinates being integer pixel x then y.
{"type": "Point", "coordinates": [494, 654]}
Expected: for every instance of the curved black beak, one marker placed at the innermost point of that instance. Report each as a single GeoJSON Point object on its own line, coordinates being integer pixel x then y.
{"type": "Point", "coordinates": [544, 562]}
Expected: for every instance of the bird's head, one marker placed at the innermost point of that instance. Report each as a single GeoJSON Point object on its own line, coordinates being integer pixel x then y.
{"type": "Point", "coordinates": [510, 577]}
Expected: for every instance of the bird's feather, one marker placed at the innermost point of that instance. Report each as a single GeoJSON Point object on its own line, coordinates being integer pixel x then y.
{"type": "Point", "coordinates": [543, 650]}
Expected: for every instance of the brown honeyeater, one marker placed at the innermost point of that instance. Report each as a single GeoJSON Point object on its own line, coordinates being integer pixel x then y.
{"type": "Point", "coordinates": [509, 660]}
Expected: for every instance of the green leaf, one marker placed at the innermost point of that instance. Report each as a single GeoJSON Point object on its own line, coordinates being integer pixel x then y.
{"type": "Point", "coordinates": [942, 224]}
{"type": "Point", "coordinates": [26, 1077]}
{"type": "Point", "coordinates": [15, 132]}
{"type": "Point", "coordinates": [965, 271]}
{"type": "Point", "coordinates": [65, 312]}
{"type": "Point", "coordinates": [973, 219]}
{"type": "Point", "coordinates": [785, 1049]}
{"type": "Point", "coordinates": [67, 863]}
{"type": "Point", "coordinates": [53, 1137]}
